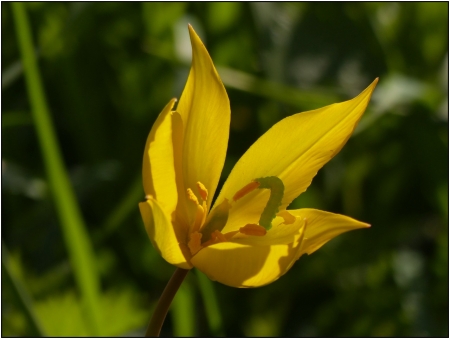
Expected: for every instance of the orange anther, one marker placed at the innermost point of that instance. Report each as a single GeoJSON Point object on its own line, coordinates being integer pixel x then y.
{"type": "Point", "coordinates": [253, 229]}
{"type": "Point", "coordinates": [192, 196]}
{"type": "Point", "coordinates": [246, 190]}
{"type": "Point", "coordinates": [202, 190]}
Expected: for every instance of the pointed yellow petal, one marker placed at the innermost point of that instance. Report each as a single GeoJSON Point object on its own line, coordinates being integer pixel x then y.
{"type": "Point", "coordinates": [158, 170]}
{"type": "Point", "coordinates": [294, 150]}
{"type": "Point", "coordinates": [252, 262]}
{"type": "Point", "coordinates": [169, 242]}
{"type": "Point", "coordinates": [205, 110]}
{"type": "Point", "coordinates": [322, 226]}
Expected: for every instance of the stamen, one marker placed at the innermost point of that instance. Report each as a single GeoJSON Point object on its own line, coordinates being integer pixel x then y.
{"type": "Point", "coordinates": [216, 220]}
{"type": "Point", "coordinates": [192, 196]}
{"type": "Point", "coordinates": [205, 212]}
{"type": "Point", "coordinates": [288, 217]}
{"type": "Point", "coordinates": [202, 190]}
{"type": "Point", "coordinates": [194, 243]}
{"type": "Point", "coordinates": [199, 219]}
{"type": "Point", "coordinates": [230, 235]}
{"type": "Point", "coordinates": [246, 190]}
{"type": "Point", "coordinates": [253, 229]}
{"type": "Point", "coordinates": [148, 197]}
{"type": "Point", "coordinates": [218, 236]}
{"type": "Point", "coordinates": [200, 213]}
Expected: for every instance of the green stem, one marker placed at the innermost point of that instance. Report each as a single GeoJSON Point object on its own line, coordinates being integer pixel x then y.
{"type": "Point", "coordinates": [211, 303]}
{"type": "Point", "coordinates": [76, 238]}
{"type": "Point", "coordinates": [155, 325]}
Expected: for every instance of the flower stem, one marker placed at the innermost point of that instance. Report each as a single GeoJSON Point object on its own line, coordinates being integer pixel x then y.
{"type": "Point", "coordinates": [154, 327]}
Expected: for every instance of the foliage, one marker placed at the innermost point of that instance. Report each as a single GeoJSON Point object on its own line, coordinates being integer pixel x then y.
{"type": "Point", "coordinates": [108, 69]}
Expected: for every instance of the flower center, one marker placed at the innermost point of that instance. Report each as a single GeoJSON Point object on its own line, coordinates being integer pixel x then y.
{"type": "Point", "coordinates": [207, 231]}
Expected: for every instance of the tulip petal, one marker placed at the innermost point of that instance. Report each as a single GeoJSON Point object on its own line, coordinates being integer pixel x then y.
{"type": "Point", "coordinates": [158, 170]}
{"type": "Point", "coordinates": [170, 243]}
{"type": "Point", "coordinates": [323, 226]}
{"type": "Point", "coordinates": [253, 261]}
{"type": "Point", "coordinates": [294, 150]}
{"type": "Point", "coordinates": [205, 110]}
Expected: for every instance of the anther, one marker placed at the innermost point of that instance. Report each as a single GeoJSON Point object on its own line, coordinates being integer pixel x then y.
{"type": "Point", "coordinates": [202, 190]}
{"type": "Point", "coordinates": [192, 196]}
{"type": "Point", "coordinates": [253, 229]}
{"type": "Point", "coordinates": [148, 197]}
{"type": "Point", "coordinates": [246, 190]}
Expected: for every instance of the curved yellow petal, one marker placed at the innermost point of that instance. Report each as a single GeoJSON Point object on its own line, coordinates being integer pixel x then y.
{"type": "Point", "coordinates": [294, 150]}
{"type": "Point", "coordinates": [251, 262]}
{"type": "Point", "coordinates": [164, 236]}
{"type": "Point", "coordinates": [205, 110]}
{"type": "Point", "coordinates": [323, 226]}
{"type": "Point", "coordinates": [158, 169]}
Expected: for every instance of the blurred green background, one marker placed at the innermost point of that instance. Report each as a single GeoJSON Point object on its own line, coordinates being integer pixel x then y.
{"type": "Point", "coordinates": [76, 259]}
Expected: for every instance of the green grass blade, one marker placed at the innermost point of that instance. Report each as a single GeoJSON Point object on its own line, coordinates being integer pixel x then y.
{"type": "Point", "coordinates": [74, 231]}
{"type": "Point", "coordinates": [22, 296]}
{"type": "Point", "coordinates": [211, 304]}
{"type": "Point", "coordinates": [122, 210]}
{"type": "Point", "coordinates": [183, 312]}
{"type": "Point", "coordinates": [269, 89]}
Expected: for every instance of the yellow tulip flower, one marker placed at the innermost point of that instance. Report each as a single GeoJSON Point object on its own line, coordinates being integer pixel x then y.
{"type": "Point", "coordinates": [248, 238]}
